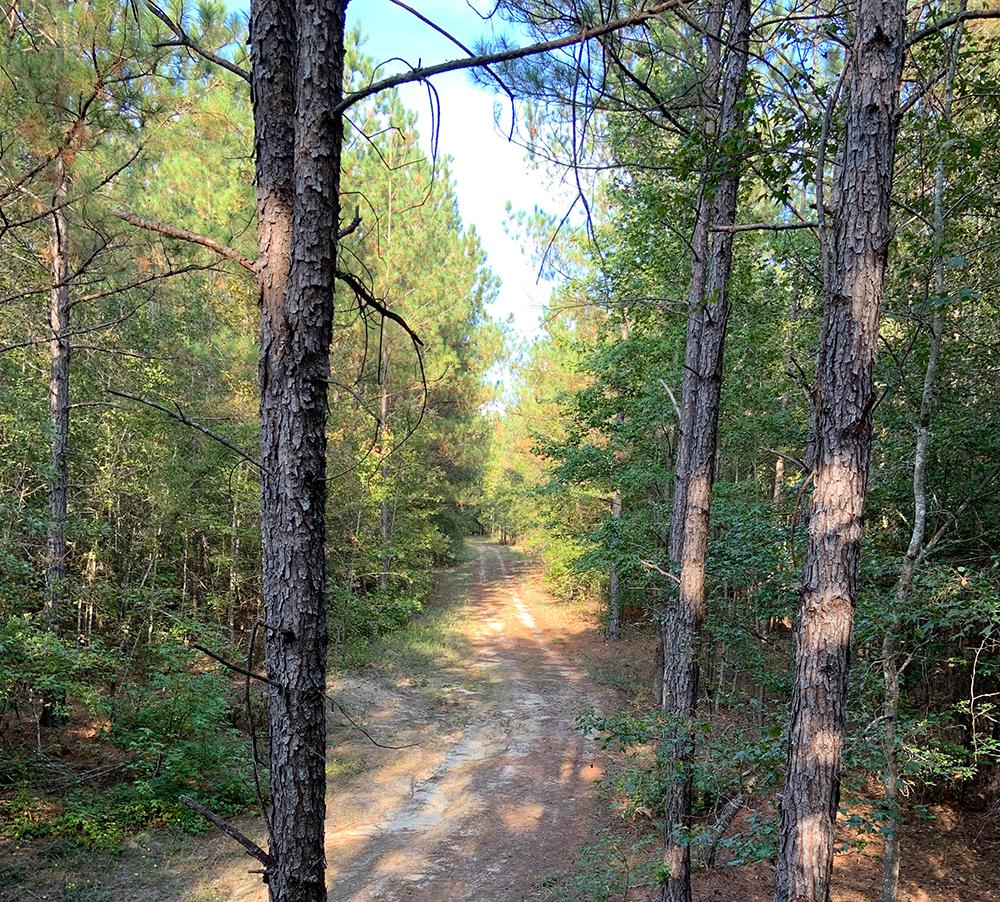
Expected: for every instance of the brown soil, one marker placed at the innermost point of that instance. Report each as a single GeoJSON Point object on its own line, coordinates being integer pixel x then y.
{"type": "Point", "coordinates": [495, 792]}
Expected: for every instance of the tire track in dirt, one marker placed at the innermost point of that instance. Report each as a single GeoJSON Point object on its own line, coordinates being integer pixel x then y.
{"type": "Point", "coordinates": [509, 797]}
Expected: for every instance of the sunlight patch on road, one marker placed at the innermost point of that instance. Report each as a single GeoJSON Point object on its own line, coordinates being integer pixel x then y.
{"type": "Point", "coordinates": [524, 615]}
{"type": "Point", "coordinates": [523, 817]}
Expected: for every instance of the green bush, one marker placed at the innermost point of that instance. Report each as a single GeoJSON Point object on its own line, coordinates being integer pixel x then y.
{"type": "Point", "coordinates": [359, 620]}
{"type": "Point", "coordinates": [176, 726]}
{"type": "Point", "coordinates": [40, 669]}
{"type": "Point", "coordinates": [179, 729]}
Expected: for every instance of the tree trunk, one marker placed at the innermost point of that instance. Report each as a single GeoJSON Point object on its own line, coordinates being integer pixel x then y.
{"type": "Point", "coordinates": [845, 397]}
{"type": "Point", "coordinates": [696, 285]}
{"type": "Point", "coordinates": [59, 353]}
{"type": "Point", "coordinates": [383, 467]}
{"type": "Point", "coordinates": [298, 60]}
{"type": "Point", "coordinates": [890, 659]}
{"type": "Point", "coordinates": [702, 387]}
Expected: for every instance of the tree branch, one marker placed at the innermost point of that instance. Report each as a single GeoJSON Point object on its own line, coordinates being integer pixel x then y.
{"type": "Point", "coordinates": [461, 46]}
{"type": "Point", "coordinates": [369, 300]}
{"type": "Point", "coordinates": [244, 671]}
{"type": "Point", "coordinates": [161, 228]}
{"type": "Point", "coordinates": [656, 568]}
{"type": "Point", "coordinates": [253, 850]}
{"type": "Point", "coordinates": [764, 227]}
{"type": "Point", "coordinates": [352, 226]}
{"type": "Point", "coordinates": [181, 417]}
{"type": "Point", "coordinates": [421, 73]}
{"type": "Point", "coordinates": [185, 40]}
{"type": "Point", "coordinates": [918, 36]}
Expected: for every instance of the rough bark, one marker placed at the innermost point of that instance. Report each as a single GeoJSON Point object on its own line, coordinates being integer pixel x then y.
{"type": "Point", "coordinates": [298, 59]}
{"type": "Point", "coordinates": [702, 392]}
{"type": "Point", "coordinates": [59, 354]}
{"type": "Point", "coordinates": [904, 584]}
{"type": "Point", "coordinates": [699, 266]}
{"type": "Point", "coordinates": [844, 401]}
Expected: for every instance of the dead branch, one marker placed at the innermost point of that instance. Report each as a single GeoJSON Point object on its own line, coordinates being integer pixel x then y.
{"type": "Point", "coordinates": [764, 227]}
{"type": "Point", "coordinates": [918, 36]}
{"type": "Point", "coordinates": [161, 228]}
{"type": "Point", "coordinates": [183, 39]}
{"type": "Point", "coordinates": [352, 226]}
{"type": "Point", "coordinates": [249, 674]}
{"type": "Point", "coordinates": [656, 568]}
{"type": "Point", "coordinates": [421, 73]}
{"type": "Point", "coordinates": [253, 850]}
{"type": "Point", "coordinates": [181, 417]}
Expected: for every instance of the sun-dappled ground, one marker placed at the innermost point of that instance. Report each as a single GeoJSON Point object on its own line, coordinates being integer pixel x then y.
{"type": "Point", "coordinates": [488, 791]}
{"type": "Point", "coordinates": [481, 787]}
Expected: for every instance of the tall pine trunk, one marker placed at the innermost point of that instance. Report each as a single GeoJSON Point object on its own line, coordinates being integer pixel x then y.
{"type": "Point", "coordinates": [59, 354]}
{"type": "Point", "coordinates": [383, 469]}
{"type": "Point", "coordinates": [699, 273]}
{"type": "Point", "coordinates": [298, 62]}
{"type": "Point", "coordinates": [844, 402]}
{"type": "Point", "coordinates": [700, 414]}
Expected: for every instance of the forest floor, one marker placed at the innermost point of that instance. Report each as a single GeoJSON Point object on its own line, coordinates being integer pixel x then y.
{"type": "Point", "coordinates": [491, 793]}
{"type": "Point", "coordinates": [490, 796]}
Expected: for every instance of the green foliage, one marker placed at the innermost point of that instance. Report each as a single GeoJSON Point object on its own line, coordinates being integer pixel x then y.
{"type": "Point", "coordinates": [163, 527]}
{"type": "Point", "coordinates": [180, 733]}
{"type": "Point", "coordinates": [173, 734]}
{"type": "Point", "coordinates": [41, 671]}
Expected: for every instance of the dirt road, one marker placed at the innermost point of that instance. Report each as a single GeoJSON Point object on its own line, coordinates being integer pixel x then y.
{"type": "Point", "coordinates": [495, 792]}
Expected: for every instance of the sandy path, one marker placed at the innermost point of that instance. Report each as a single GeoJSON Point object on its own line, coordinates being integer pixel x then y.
{"type": "Point", "coordinates": [499, 793]}
{"type": "Point", "coordinates": [497, 789]}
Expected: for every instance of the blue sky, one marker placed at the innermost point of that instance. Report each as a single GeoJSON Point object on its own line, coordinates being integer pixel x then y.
{"type": "Point", "coordinates": [488, 170]}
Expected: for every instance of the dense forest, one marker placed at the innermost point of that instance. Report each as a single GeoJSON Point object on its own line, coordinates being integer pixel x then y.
{"type": "Point", "coordinates": [268, 455]}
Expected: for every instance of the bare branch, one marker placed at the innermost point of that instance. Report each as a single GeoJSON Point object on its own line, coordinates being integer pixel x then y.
{"type": "Point", "coordinates": [764, 227]}
{"type": "Point", "coordinates": [352, 226]}
{"type": "Point", "coordinates": [161, 228]}
{"type": "Point", "coordinates": [656, 568]}
{"type": "Point", "coordinates": [369, 300]}
{"type": "Point", "coordinates": [421, 73]}
{"type": "Point", "coordinates": [673, 399]}
{"type": "Point", "coordinates": [185, 40]}
{"type": "Point", "coordinates": [181, 417]}
{"type": "Point", "coordinates": [981, 491]}
{"type": "Point", "coordinates": [918, 36]}
{"type": "Point", "coordinates": [48, 211]}
{"type": "Point", "coordinates": [244, 671]}
{"type": "Point", "coordinates": [461, 46]}
{"type": "Point", "coordinates": [253, 850]}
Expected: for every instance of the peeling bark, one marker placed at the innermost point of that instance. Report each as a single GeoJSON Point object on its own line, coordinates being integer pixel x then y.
{"type": "Point", "coordinates": [844, 401]}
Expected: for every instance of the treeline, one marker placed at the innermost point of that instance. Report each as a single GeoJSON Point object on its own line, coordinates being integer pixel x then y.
{"type": "Point", "coordinates": [780, 309]}
{"type": "Point", "coordinates": [129, 409]}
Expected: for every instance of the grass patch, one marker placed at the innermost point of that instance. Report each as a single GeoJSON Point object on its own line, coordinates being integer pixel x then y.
{"type": "Point", "coordinates": [343, 768]}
